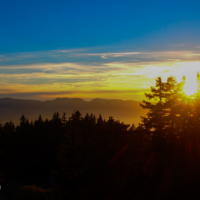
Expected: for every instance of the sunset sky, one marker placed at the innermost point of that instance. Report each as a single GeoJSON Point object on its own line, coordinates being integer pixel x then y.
{"type": "Point", "coordinates": [95, 49]}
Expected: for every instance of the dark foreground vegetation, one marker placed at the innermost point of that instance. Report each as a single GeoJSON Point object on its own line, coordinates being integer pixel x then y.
{"type": "Point", "coordinates": [84, 157]}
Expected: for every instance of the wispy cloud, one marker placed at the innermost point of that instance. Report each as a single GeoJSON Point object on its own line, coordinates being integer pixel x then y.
{"type": "Point", "coordinates": [108, 55]}
{"type": "Point", "coordinates": [124, 75]}
{"type": "Point", "coordinates": [178, 45]}
{"type": "Point", "coordinates": [86, 57]}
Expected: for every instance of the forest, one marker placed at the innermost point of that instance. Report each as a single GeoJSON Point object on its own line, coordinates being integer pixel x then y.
{"type": "Point", "coordinates": [89, 157]}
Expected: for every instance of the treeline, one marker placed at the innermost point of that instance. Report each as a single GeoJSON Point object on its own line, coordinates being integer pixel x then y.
{"type": "Point", "coordinates": [63, 153]}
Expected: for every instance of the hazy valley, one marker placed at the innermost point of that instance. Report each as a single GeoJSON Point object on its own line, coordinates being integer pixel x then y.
{"type": "Point", "coordinates": [128, 111]}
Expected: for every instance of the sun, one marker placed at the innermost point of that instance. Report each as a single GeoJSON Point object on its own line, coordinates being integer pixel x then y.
{"type": "Point", "coordinates": [191, 86]}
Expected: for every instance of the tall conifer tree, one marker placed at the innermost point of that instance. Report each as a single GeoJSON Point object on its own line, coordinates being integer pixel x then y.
{"type": "Point", "coordinates": [154, 120]}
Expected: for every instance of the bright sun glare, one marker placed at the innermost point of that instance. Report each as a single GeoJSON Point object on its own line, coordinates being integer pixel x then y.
{"type": "Point", "coordinates": [187, 69]}
{"type": "Point", "coordinates": [191, 86]}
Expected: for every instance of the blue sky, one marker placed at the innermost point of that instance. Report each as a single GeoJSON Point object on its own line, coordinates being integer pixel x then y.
{"type": "Point", "coordinates": [48, 38]}
{"type": "Point", "coordinates": [49, 25]}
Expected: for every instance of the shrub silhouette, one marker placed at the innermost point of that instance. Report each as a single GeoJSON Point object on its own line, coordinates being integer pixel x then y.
{"type": "Point", "coordinates": [32, 192]}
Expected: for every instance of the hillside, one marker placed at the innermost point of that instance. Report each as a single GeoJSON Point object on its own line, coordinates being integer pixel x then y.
{"type": "Point", "coordinates": [126, 111]}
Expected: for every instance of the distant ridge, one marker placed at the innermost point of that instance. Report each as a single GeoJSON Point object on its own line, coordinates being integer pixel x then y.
{"type": "Point", "coordinates": [127, 111]}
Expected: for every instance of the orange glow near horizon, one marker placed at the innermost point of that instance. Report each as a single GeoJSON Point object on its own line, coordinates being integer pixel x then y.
{"type": "Point", "coordinates": [126, 81]}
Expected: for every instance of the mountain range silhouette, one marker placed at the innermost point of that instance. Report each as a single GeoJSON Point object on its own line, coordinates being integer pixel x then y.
{"type": "Point", "coordinates": [127, 111]}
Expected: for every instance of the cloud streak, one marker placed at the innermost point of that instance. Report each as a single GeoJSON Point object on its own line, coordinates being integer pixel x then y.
{"type": "Point", "coordinates": [84, 56]}
{"type": "Point", "coordinates": [122, 75]}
